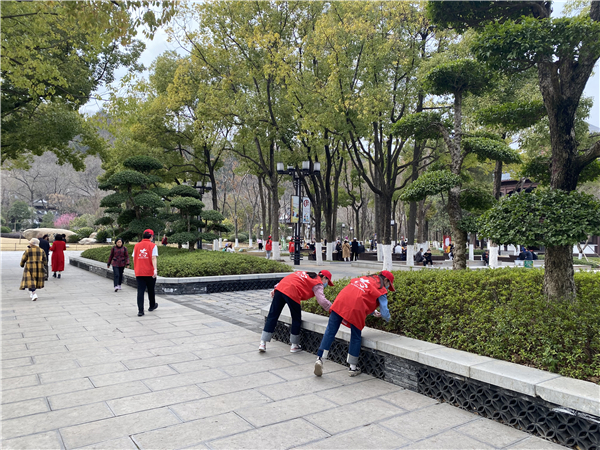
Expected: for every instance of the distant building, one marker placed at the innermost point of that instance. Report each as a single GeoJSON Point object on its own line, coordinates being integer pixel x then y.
{"type": "Point", "coordinates": [509, 187]}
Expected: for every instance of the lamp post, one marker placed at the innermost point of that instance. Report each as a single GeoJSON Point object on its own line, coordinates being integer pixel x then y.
{"type": "Point", "coordinates": [394, 230]}
{"type": "Point", "coordinates": [202, 188]}
{"type": "Point", "coordinates": [295, 173]}
{"type": "Point", "coordinates": [343, 226]}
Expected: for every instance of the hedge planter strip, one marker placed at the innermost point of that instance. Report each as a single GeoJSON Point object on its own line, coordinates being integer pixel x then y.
{"type": "Point", "coordinates": [556, 408]}
{"type": "Point", "coordinates": [187, 286]}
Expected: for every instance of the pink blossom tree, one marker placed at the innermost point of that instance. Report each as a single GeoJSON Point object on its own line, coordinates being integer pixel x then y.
{"type": "Point", "coordinates": [64, 220]}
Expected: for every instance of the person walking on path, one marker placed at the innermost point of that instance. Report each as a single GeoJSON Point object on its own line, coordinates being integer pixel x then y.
{"type": "Point", "coordinates": [291, 290]}
{"type": "Point", "coordinates": [119, 259]}
{"type": "Point", "coordinates": [269, 247]}
{"type": "Point", "coordinates": [355, 249]}
{"type": "Point", "coordinates": [34, 262]}
{"type": "Point", "coordinates": [360, 298]}
{"type": "Point", "coordinates": [165, 240]}
{"type": "Point", "coordinates": [346, 251]}
{"type": "Point", "coordinates": [145, 255]}
{"type": "Point", "coordinates": [45, 245]}
{"type": "Point", "coordinates": [58, 255]}
{"type": "Point", "coordinates": [291, 247]}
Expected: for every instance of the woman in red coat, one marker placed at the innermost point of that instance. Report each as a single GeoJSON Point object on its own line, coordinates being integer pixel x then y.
{"type": "Point", "coordinates": [351, 307]}
{"type": "Point", "coordinates": [293, 289]}
{"type": "Point", "coordinates": [58, 254]}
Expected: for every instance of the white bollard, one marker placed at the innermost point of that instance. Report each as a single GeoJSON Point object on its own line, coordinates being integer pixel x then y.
{"type": "Point", "coordinates": [330, 247]}
{"type": "Point", "coordinates": [410, 252]}
{"type": "Point", "coordinates": [250, 243]}
{"type": "Point", "coordinates": [220, 243]}
{"type": "Point", "coordinates": [494, 257]}
{"type": "Point", "coordinates": [471, 252]}
{"type": "Point", "coordinates": [215, 245]}
{"type": "Point", "coordinates": [319, 253]}
{"type": "Point", "coordinates": [276, 251]}
{"type": "Point", "coordinates": [236, 243]}
{"type": "Point", "coordinates": [386, 252]}
{"type": "Point", "coordinates": [380, 252]}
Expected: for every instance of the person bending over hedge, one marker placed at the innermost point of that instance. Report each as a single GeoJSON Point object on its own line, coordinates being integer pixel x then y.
{"type": "Point", "coordinates": [291, 290]}
{"type": "Point", "coordinates": [351, 306]}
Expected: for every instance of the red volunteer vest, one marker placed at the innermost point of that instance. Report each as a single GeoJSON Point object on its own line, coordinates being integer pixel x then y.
{"type": "Point", "coordinates": [269, 245]}
{"type": "Point", "coordinates": [142, 258]}
{"type": "Point", "coordinates": [357, 300]}
{"type": "Point", "coordinates": [298, 286]}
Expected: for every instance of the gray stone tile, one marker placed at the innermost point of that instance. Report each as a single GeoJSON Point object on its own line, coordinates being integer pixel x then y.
{"type": "Point", "coordinates": [190, 434]}
{"type": "Point", "coordinates": [213, 406]}
{"type": "Point", "coordinates": [240, 383]}
{"type": "Point", "coordinates": [99, 394]}
{"type": "Point", "coordinates": [193, 366]}
{"type": "Point", "coordinates": [29, 353]}
{"type": "Point", "coordinates": [535, 443]}
{"type": "Point", "coordinates": [61, 375]}
{"type": "Point", "coordinates": [492, 433]}
{"type": "Point", "coordinates": [23, 426]}
{"type": "Point", "coordinates": [17, 362]}
{"type": "Point", "coordinates": [449, 440]}
{"type": "Point", "coordinates": [359, 391]}
{"type": "Point", "coordinates": [131, 375]}
{"type": "Point", "coordinates": [284, 410]}
{"type": "Point", "coordinates": [267, 365]}
{"type": "Point", "coordinates": [369, 437]}
{"type": "Point", "coordinates": [279, 436]}
{"type": "Point", "coordinates": [158, 360]}
{"type": "Point", "coordinates": [117, 427]}
{"type": "Point", "coordinates": [114, 444]}
{"type": "Point", "coordinates": [428, 421]}
{"type": "Point", "coordinates": [45, 390]}
{"type": "Point", "coordinates": [112, 357]}
{"type": "Point", "coordinates": [299, 387]}
{"type": "Point", "coordinates": [57, 364]}
{"type": "Point", "coordinates": [18, 382]}
{"type": "Point", "coordinates": [26, 408]}
{"type": "Point", "coordinates": [171, 348]}
{"type": "Point", "coordinates": [185, 379]}
{"type": "Point", "coordinates": [408, 400]}
{"type": "Point", "coordinates": [163, 336]}
{"type": "Point", "coordinates": [49, 440]}
{"type": "Point", "coordinates": [353, 415]}
{"type": "Point", "coordinates": [154, 400]}
{"type": "Point", "coordinates": [298, 371]}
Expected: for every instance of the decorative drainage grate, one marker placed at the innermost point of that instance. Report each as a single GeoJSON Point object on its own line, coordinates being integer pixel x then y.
{"type": "Point", "coordinates": [533, 415]}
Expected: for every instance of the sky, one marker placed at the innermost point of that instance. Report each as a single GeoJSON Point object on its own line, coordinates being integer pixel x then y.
{"type": "Point", "coordinates": [160, 45]}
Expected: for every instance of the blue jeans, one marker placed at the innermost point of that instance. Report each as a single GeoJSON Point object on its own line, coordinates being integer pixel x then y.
{"type": "Point", "coordinates": [279, 301]}
{"type": "Point", "coordinates": [335, 320]}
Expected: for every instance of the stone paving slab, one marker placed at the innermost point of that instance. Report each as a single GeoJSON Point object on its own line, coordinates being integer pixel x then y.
{"type": "Point", "coordinates": [81, 370]}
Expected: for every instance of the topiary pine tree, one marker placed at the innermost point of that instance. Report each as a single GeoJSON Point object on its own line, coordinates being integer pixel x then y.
{"type": "Point", "coordinates": [136, 201]}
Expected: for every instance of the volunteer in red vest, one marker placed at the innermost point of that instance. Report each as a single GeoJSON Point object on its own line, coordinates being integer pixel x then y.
{"type": "Point", "coordinates": [293, 289]}
{"type": "Point", "coordinates": [351, 307]}
{"type": "Point", "coordinates": [269, 247]}
{"type": "Point", "coordinates": [145, 254]}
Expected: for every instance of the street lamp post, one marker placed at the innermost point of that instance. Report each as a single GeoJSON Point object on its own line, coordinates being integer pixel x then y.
{"type": "Point", "coordinates": [202, 188]}
{"type": "Point", "coordinates": [394, 230]}
{"type": "Point", "coordinates": [295, 173]}
{"type": "Point", "coordinates": [343, 226]}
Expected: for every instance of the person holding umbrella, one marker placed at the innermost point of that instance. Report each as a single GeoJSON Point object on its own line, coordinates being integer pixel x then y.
{"type": "Point", "coordinates": [291, 290]}
{"type": "Point", "coordinates": [360, 298]}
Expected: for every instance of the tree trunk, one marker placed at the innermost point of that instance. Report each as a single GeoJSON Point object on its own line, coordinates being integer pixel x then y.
{"type": "Point", "coordinates": [421, 221]}
{"type": "Point", "coordinates": [274, 208]}
{"type": "Point", "coordinates": [263, 208]}
{"type": "Point", "coordinates": [459, 237]}
{"type": "Point", "coordinates": [559, 274]}
{"type": "Point", "coordinates": [497, 179]}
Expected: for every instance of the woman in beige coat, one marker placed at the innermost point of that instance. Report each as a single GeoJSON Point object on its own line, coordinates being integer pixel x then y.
{"type": "Point", "coordinates": [346, 252]}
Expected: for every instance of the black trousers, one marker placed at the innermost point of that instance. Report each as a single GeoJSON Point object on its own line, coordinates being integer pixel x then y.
{"type": "Point", "coordinates": [354, 256]}
{"type": "Point", "coordinates": [118, 275]}
{"type": "Point", "coordinates": [142, 284]}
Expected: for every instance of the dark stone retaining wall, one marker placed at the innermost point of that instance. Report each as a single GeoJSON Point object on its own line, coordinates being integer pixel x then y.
{"type": "Point", "coordinates": [530, 414]}
{"type": "Point", "coordinates": [175, 286]}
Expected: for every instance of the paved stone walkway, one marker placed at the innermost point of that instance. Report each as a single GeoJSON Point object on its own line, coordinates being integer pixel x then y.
{"type": "Point", "coordinates": [81, 370]}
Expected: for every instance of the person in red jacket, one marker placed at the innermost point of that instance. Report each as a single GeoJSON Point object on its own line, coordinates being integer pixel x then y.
{"type": "Point", "coordinates": [351, 307]}
{"type": "Point", "coordinates": [269, 247]}
{"type": "Point", "coordinates": [291, 247]}
{"type": "Point", "coordinates": [145, 254]}
{"type": "Point", "coordinates": [293, 289]}
{"type": "Point", "coordinates": [58, 254]}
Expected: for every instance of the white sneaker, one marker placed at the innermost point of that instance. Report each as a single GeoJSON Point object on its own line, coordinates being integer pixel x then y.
{"type": "Point", "coordinates": [319, 367]}
{"type": "Point", "coordinates": [295, 348]}
{"type": "Point", "coordinates": [30, 294]}
{"type": "Point", "coordinates": [34, 297]}
{"type": "Point", "coordinates": [262, 347]}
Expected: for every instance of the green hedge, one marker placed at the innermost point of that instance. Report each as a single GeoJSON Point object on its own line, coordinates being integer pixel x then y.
{"type": "Point", "coordinates": [498, 313]}
{"type": "Point", "coordinates": [174, 262]}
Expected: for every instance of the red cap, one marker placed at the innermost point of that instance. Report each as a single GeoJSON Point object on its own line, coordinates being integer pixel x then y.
{"type": "Point", "coordinates": [390, 276]}
{"type": "Point", "coordinates": [269, 237]}
{"type": "Point", "coordinates": [149, 231]}
{"type": "Point", "coordinates": [327, 274]}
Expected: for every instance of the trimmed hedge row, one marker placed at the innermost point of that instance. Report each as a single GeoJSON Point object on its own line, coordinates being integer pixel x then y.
{"type": "Point", "coordinates": [498, 313]}
{"type": "Point", "coordinates": [180, 263]}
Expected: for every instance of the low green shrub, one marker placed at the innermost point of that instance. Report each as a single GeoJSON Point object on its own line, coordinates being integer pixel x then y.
{"type": "Point", "coordinates": [73, 239]}
{"type": "Point", "coordinates": [5, 229]}
{"type": "Point", "coordinates": [84, 232]}
{"type": "Point", "coordinates": [498, 313]}
{"type": "Point", "coordinates": [101, 236]}
{"type": "Point", "coordinates": [174, 262]}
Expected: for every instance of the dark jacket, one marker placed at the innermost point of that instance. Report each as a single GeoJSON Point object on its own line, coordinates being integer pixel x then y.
{"type": "Point", "coordinates": [119, 257]}
{"type": "Point", "coordinates": [354, 246]}
{"type": "Point", "coordinates": [45, 245]}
